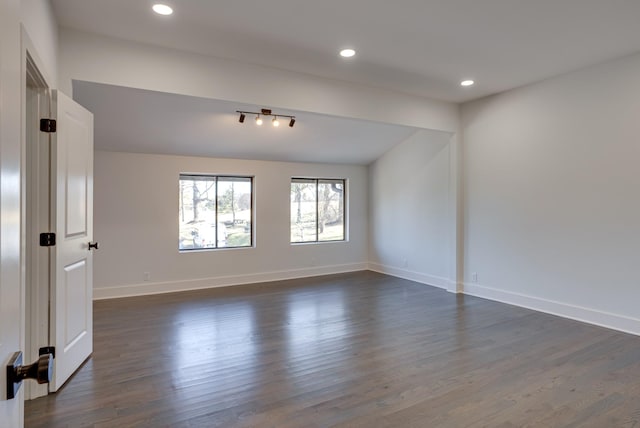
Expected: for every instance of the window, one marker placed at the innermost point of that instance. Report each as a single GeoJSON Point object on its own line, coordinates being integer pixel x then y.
{"type": "Point", "coordinates": [317, 210]}
{"type": "Point", "coordinates": [215, 212]}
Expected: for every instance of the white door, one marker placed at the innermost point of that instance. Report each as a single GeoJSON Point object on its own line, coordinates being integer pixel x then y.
{"type": "Point", "coordinates": [72, 260]}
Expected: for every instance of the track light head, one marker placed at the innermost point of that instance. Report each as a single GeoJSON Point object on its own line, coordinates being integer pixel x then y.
{"type": "Point", "coordinates": [242, 117]}
{"type": "Point", "coordinates": [292, 122]}
{"type": "Point", "coordinates": [275, 121]}
{"type": "Point", "coordinates": [258, 120]}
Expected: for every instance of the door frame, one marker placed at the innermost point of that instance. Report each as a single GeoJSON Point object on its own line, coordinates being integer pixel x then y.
{"type": "Point", "coordinates": [35, 280]}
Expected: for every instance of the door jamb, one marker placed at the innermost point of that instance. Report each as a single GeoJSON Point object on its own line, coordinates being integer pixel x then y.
{"type": "Point", "coordinates": [35, 208]}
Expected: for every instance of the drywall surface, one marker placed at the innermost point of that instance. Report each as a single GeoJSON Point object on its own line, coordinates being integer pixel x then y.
{"type": "Point", "coordinates": [40, 24]}
{"type": "Point", "coordinates": [11, 288]}
{"type": "Point", "coordinates": [94, 58]}
{"type": "Point", "coordinates": [136, 223]}
{"type": "Point", "coordinates": [551, 195]}
{"type": "Point", "coordinates": [410, 227]}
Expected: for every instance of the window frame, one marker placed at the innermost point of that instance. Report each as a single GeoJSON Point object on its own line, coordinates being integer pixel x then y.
{"type": "Point", "coordinates": [317, 181]}
{"type": "Point", "coordinates": [216, 178]}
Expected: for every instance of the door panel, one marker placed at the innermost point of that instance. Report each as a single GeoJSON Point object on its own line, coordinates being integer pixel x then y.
{"type": "Point", "coordinates": [72, 289]}
{"type": "Point", "coordinates": [75, 285]}
{"type": "Point", "coordinates": [76, 177]}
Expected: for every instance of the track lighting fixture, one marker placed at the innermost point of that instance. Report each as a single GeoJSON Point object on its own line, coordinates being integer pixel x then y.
{"type": "Point", "coordinates": [266, 112]}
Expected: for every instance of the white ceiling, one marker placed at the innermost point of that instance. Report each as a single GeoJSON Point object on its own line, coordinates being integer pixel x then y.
{"type": "Point", "coordinates": [422, 47]}
{"type": "Point", "coordinates": [140, 121]}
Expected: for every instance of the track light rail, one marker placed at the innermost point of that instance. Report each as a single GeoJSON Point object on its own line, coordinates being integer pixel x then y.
{"type": "Point", "coordinates": [266, 112]}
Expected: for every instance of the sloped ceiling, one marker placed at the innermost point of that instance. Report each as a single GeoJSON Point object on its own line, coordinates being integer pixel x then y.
{"type": "Point", "coordinates": [140, 121]}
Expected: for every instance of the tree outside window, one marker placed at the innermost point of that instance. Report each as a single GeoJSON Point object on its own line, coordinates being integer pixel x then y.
{"type": "Point", "coordinates": [317, 210]}
{"type": "Point", "coordinates": [215, 212]}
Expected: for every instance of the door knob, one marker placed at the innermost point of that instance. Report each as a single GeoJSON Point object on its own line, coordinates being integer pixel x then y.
{"type": "Point", "coordinates": [93, 245]}
{"type": "Point", "coordinates": [41, 371]}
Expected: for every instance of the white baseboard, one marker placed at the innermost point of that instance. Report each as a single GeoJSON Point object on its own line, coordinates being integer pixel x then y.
{"type": "Point", "coordinates": [434, 281]}
{"type": "Point", "coordinates": [148, 288]}
{"type": "Point", "coordinates": [565, 310]}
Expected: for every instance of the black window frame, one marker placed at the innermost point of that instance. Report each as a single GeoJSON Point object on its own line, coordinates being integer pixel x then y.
{"type": "Point", "coordinates": [318, 181]}
{"type": "Point", "coordinates": [217, 178]}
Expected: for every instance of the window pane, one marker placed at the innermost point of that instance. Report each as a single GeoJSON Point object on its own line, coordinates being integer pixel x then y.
{"type": "Point", "coordinates": [234, 212]}
{"type": "Point", "coordinates": [317, 210]}
{"type": "Point", "coordinates": [215, 212]}
{"type": "Point", "coordinates": [303, 210]}
{"type": "Point", "coordinates": [330, 210]}
{"type": "Point", "coordinates": [197, 212]}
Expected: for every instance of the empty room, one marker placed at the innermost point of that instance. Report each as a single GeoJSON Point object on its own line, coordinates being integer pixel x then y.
{"type": "Point", "coordinates": [319, 214]}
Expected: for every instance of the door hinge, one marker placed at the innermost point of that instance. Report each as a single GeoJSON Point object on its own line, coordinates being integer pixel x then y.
{"type": "Point", "coordinates": [47, 239]}
{"type": "Point", "coordinates": [48, 125]}
{"type": "Point", "coordinates": [47, 350]}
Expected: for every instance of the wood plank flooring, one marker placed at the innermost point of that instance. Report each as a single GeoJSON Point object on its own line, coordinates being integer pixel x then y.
{"type": "Point", "coordinates": [351, 350]}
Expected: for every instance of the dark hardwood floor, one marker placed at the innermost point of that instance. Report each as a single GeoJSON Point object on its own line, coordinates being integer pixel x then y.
{"type": "Point", "coordinates": [351, 350]}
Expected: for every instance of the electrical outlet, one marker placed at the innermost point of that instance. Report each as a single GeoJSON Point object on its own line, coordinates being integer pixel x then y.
{"type": "Point", "coordinates": [474, 276]}
{"type": "Point", "coordinates": [147, 276]}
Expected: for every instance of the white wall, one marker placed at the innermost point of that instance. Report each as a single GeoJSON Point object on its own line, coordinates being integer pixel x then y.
{"type": "Point", "coordinates": [40, 24]}
{"type": "Point", "coordinates": [93, 58]}
{"type": "Point", "coordinates": [136, 223]}
{"type": "Point", "coordinates": [409, 224]}
{"type": "Point", "coordinates": [552, 213]}
{"type": "Point", "coordinates": [100, 59]}
{"type": "Point", "coordinates": [11, 291]}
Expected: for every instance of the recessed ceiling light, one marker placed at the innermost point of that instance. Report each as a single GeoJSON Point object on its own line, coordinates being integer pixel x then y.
{"type": "Point", "coordinates": [347, 53]}
{"type": "Point", "coordinates": [162, 9]}
{"type": "Point", "coordinates": [467, 83]}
